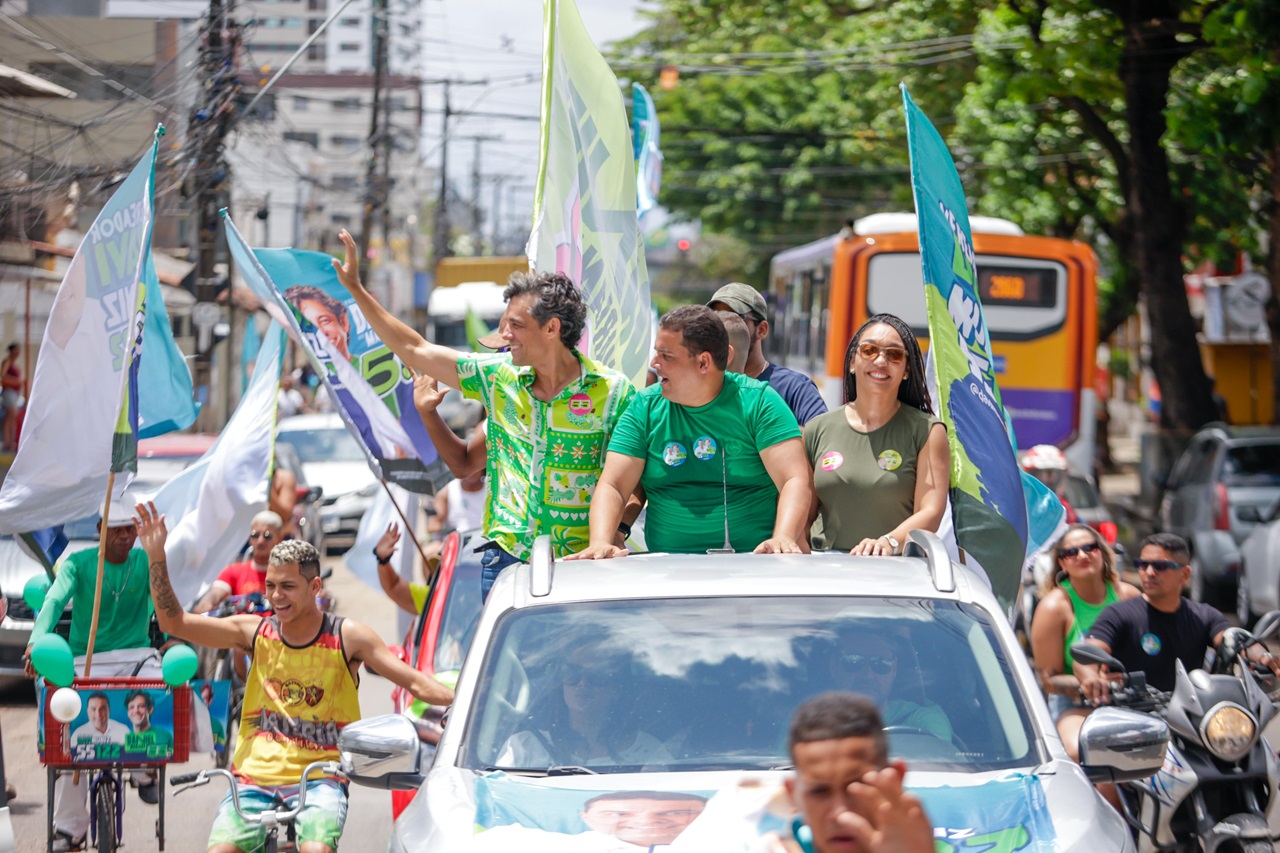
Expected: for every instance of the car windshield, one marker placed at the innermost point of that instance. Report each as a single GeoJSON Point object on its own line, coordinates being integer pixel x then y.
{"type": "Point", "coordinates": [710, 684]}
{"type": "Point", "coordinates": [1252, 465]}
{"type": "Point", "coordinates": [461, 615]}
{"type": "Point", "coordinates": [328, 444]}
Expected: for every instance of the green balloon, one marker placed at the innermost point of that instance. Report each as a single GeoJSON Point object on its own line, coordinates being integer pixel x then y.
{"type": "Point", "coordinates": [34, 591]}
{"type": "Point", "coordinates": [52, 658]}
{"type": "Point", "coordinates": [179, 665]}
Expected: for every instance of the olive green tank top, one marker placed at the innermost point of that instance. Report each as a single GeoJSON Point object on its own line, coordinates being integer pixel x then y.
{"type": "Point", "coordinates": [1085, 615]}
{"type": "Point", "coordinates": [866, 481]}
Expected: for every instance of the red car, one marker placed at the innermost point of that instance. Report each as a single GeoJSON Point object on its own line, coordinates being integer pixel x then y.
{"type": "Point", "coordinates": [438, 640]}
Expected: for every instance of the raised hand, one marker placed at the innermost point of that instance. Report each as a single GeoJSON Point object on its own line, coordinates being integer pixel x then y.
{"type": "Point", "coordinates": [885, 818]}
{"type": "Point", "coordinates": [387, 543]}
{"type": "Point", "coordinates": [152, 532]}
{"type": "Point", "coordinates": [427, 393]}
{"type": "Point", "coordinates": [349, 270]}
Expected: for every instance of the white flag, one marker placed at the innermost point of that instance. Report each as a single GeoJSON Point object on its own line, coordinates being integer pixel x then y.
{"type": "Point", "coordinates": [77, 428]}
{"type": "Point", "coordinates": [209, 506]}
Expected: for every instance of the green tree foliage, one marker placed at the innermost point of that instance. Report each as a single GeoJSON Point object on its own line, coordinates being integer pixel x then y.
{"type": "Point", "coordinates": [1117, 123]}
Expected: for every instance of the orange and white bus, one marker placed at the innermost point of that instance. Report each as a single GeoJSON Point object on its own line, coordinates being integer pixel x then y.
{"type": "Point", "coordinates": [1039, 297]}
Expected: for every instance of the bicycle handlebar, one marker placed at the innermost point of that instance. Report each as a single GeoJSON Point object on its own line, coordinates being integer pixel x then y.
{"type": "Point", "coordinates": [266, 817]}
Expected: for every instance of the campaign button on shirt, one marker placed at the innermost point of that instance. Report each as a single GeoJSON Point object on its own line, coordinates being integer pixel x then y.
{"type": "Point", "coordinates": [705, 448]}
{"type": "Point", "coordinates": [831, 461]}
{"type": "Point", "coordinates": [1151, 644]}
{"type": "Point", "coordinates": [889, 460]}
{"type": "Point", "coordinates": [674, 454]}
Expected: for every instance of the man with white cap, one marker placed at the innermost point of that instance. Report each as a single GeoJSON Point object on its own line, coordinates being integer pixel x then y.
{"type": "Point", "coordinates": [796, 389]}
{"type": "Point", "coordinates": [122, 646]}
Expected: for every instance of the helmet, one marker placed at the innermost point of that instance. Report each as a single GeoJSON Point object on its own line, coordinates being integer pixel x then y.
{"type": "Point", "coordinates": [1047, 464]}
{"type": "Point", "coordinates": [1044, 457]}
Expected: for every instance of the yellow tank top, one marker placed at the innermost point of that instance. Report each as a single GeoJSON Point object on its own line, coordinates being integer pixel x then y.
{"type": "Point", "coordinates": [296, 701]}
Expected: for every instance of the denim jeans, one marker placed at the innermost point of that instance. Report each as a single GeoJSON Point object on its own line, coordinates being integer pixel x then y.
{"type": "Point", "coordinates": [492, 562]}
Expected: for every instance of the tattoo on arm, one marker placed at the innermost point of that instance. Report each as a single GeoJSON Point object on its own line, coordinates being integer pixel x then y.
{"type": "Point", "coordinates": [165, 600]}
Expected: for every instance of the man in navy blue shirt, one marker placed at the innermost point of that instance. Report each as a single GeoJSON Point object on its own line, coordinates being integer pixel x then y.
{"type": "Point", "coordinates": [798, 390]}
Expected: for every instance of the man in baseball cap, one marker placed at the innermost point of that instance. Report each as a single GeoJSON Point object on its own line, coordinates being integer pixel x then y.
{"type": "Point", "coordinates": [798, 390]}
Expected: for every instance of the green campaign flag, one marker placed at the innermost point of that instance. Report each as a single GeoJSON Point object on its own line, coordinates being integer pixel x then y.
{"type": "Point", "coordinates": [584, 208]}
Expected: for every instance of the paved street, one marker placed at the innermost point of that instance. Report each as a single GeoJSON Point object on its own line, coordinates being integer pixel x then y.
{"type": "Point", "coordinates": [189, 816]}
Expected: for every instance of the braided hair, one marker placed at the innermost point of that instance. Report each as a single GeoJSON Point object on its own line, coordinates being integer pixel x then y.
{"type": "Point", "coordinates": [913, 391]}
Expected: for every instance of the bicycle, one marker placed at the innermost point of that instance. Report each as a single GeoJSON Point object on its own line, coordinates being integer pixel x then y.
{"type": "Point", "coordinates": [269, 819]}
{"type": "Point", "coordinates": [106, 804]}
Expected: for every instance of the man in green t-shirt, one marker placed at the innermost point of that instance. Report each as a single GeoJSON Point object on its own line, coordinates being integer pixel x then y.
{"type": "Point", "coordinates": [718, 454]}
{"type": "Point", "coordinates": [551, 409]}
{"type": "Point", "coordinates": [122, 645]}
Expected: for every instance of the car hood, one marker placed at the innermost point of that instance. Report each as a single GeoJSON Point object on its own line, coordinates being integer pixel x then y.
{"type": "Point", "coordinates": [338, 478]}
{"type": "Point", "coordinates": [1055, 808]}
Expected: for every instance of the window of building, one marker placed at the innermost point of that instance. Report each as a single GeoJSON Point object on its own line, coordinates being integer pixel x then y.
{"type": "Point", "coordinates": [345, 141]}
{"type": "Point", "coordinates": [316, 5]}
{"type": "Point", "coordinates": [344, 183]}
{"type": "Point", "coordinates": [312, 139]}
{"type": "Point", "coordinates": [301, 103]}
{"type": "Point", "coordinates": [316, 52]}
{"type": "Point", "coordinates": [342, 220]}
{"type": "Point", "coordinates": [349, 47]}
{"type": "Point", "coordinates": [349, 22]}
{"type": "Point", "coordinates": [347, 104]}
{"type": "Point", "coordinates": [399, 105]}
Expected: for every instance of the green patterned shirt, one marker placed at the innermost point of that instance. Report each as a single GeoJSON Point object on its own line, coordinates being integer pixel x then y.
{"type": "Point", "coordinates": [544, 458]}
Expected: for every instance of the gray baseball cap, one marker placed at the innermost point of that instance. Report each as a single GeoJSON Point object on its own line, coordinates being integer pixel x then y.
{"type": "Point", "coordinates": [741, 299]}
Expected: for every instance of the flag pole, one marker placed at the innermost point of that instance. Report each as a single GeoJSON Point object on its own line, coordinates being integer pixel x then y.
{"type": "Point", "coordinates": [408, 528]}
{"type": "Point", "coordinates": [97, 591]}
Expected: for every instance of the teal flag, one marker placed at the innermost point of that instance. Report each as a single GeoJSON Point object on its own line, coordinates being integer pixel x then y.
{"type": "Point", "coordinates": [646, 140]}
{"type": "Point", "coordinates": [166, 401]}
{"type": "Point", "coordinates": [988, 503]}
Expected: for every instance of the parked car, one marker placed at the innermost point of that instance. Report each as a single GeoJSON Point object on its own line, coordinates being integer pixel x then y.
{"type": "Point", "coordinates": [1259, 587]}
{"type": "Point", "coordinates": [332, 459]}
{"type": "Point", "coordinates": [1223, 474]}
{"type": "Point", "coordinates": [16, 568]}
{"type": "Point", "coordinates": [438, 639]}
{"type": "Point", "coordinates": [163, 457]}
{"type": "Point", "coordinates": [692, 665]}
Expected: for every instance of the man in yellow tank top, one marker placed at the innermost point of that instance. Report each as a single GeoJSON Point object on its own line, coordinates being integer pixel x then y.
{"type": "Point", "coordinates": [301, 688]}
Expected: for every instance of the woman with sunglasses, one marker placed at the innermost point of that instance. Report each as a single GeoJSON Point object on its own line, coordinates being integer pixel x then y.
{"type": "Point", "coordinates": [1084, 583]}
{"type": "Point", "coordinates": [881, 466]}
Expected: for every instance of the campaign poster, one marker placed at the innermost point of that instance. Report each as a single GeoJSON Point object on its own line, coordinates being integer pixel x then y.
{"type": "Point", "coordinates": [216, 695]}
{"type": "Point", "coordinates": [131, 726]}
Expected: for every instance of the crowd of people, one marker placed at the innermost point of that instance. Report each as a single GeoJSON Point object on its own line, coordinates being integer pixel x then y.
{"type": "Point", "coordinates": [724, 452]}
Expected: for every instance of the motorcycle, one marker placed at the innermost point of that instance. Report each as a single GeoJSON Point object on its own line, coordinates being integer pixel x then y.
{"type": "Point", "coordinates": [1218, 786]}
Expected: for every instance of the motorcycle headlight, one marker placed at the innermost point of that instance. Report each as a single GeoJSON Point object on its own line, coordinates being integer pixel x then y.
{"type": "Point", "coordinates": [1228, 732]}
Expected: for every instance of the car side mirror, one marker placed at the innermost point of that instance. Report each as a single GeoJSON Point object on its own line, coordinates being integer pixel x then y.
{"type": "Point", "coordinates": [382, 752]}
{"type": "Point", "coordinates": [1250, 514]}
{"type": "Point", "coordinates": [1120, 745]}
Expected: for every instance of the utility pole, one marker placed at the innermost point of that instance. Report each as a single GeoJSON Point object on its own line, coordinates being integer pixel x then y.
{"type": "Point", "coordinates": [477, 217]}
{"type": "Point", "coordinates": [207, 128]}
{"type": "Point", "coordinates": [379, 137]}
{"type": "Point", "coordinates": [441, 242]}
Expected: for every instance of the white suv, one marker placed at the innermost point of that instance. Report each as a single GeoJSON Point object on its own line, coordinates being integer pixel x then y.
{"type": "Point", "coordinates": [679, 674]}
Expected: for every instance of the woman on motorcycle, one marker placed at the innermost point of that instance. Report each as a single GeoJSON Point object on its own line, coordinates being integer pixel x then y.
{"type": "Point", "coordinates": [1084, 583]}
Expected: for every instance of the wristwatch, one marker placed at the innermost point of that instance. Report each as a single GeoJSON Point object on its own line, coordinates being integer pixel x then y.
{"type": "Point", "coordinates": [893, 543]}
{"type": "Point", "coordinates": [381, 559]}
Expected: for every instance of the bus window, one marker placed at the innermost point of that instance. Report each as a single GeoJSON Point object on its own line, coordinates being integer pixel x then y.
{"type": "Point", "coordinates": [1022, 298]}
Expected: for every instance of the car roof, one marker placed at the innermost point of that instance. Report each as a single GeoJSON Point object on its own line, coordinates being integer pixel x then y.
{"type": "Point", "coordinates": [176, 444]}
{"type": "Point", "coordinates": [711, 575]}
{"type": "Point", "coordinates": [319, 420]}
{"type": "Point", "coordinates": [1241, 434]}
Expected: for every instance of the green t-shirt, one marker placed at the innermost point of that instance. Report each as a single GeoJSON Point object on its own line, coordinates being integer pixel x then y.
{"type": "Point", "coordinates": [544, 458]}
{"type": "Point", "coordinates": [700, 460]}
{"type": "Point", "coordinates": [866, 481]}
{"type": "Point", "coordinates": [124, 618]}
{"type": "Point", "coordinates": [153, 743]}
